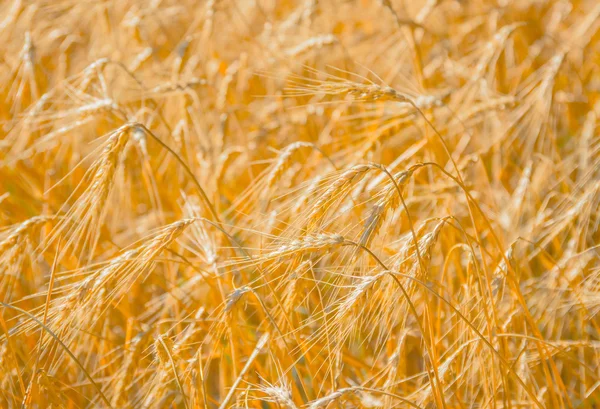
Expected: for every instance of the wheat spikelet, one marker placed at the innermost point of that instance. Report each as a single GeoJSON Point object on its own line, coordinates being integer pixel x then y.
{"type": "Point", "coordinates": [13, 234]}
{"type": "Point", "coordinates": [410, 253]}
{"type": "Point", "coordinates": [88, 213]}
{"type": "Point", "coordinates": [280, 394]}
{"type": "Point", "coordinates": [164, 90]}
{"type": "Point", "coordinates": [312, 43]}
{"type": "Point", "coordinates": [355, 90]}
{"type": "Point", "coordinates": [163, 347]}
{"type": "Point", "coordinates": [111, 282]}
{"type": "Point", "coordinates": [232, 70]}
{"type": "Point", "coordinates": [128, 369]}
{"type": "Point", "coordinates": [92, 71]}
{"type": "Point", "coordinates": [210, 15]}
{"type": "Point", "coordinates": [235, 296]}
{"type": "Point", "coordinates": [356, 293]}
{"type": "Point", "coordinates": [321, 241]}
{"type": "Point", "coordinates": [326, 400]}
{"type": "Point", "coordinates": [226, 159]}
{"type": "Point", "coordinates": [283, 161]}
{"type": "Point", "coordinates": [311, 189]}
{"type": "Point", "coordinates": [340, 184]}
{"type": "Point", "coordinates": [290, 293]}
{"type": "Point", "coordinates": [16, 246]}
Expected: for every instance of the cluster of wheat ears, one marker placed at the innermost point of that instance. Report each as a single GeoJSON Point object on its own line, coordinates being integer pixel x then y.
{"type": "Point", "coordinates": [300, 204]}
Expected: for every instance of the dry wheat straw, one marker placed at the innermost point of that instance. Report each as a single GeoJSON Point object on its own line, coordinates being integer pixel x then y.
{"type": "Point", "coordinates": [259, 346]}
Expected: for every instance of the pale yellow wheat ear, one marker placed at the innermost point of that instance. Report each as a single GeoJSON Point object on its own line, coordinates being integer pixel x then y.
{"type": "Point", "coordinates": [279, 394]}
{"type": "Point", "coordinates": [84, 219]}
{"type": "Point", "coordinates": [338, 188]}
{"type": "Point", "coordinates": [283, 162]}
{"type": "Point", "coordinates": [109, 283]}
{"type": "Point", "coordinates": [17, 244]}
{"type": "Point", "coordinates": [300, 204]}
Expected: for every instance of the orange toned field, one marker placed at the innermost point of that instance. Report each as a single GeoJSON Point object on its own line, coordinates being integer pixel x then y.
{"type": "Point", "coordinates": [300, 204]}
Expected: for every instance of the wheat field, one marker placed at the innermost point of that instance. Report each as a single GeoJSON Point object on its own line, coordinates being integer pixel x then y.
{"type": "Point", "coordinates": [300, 204]}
